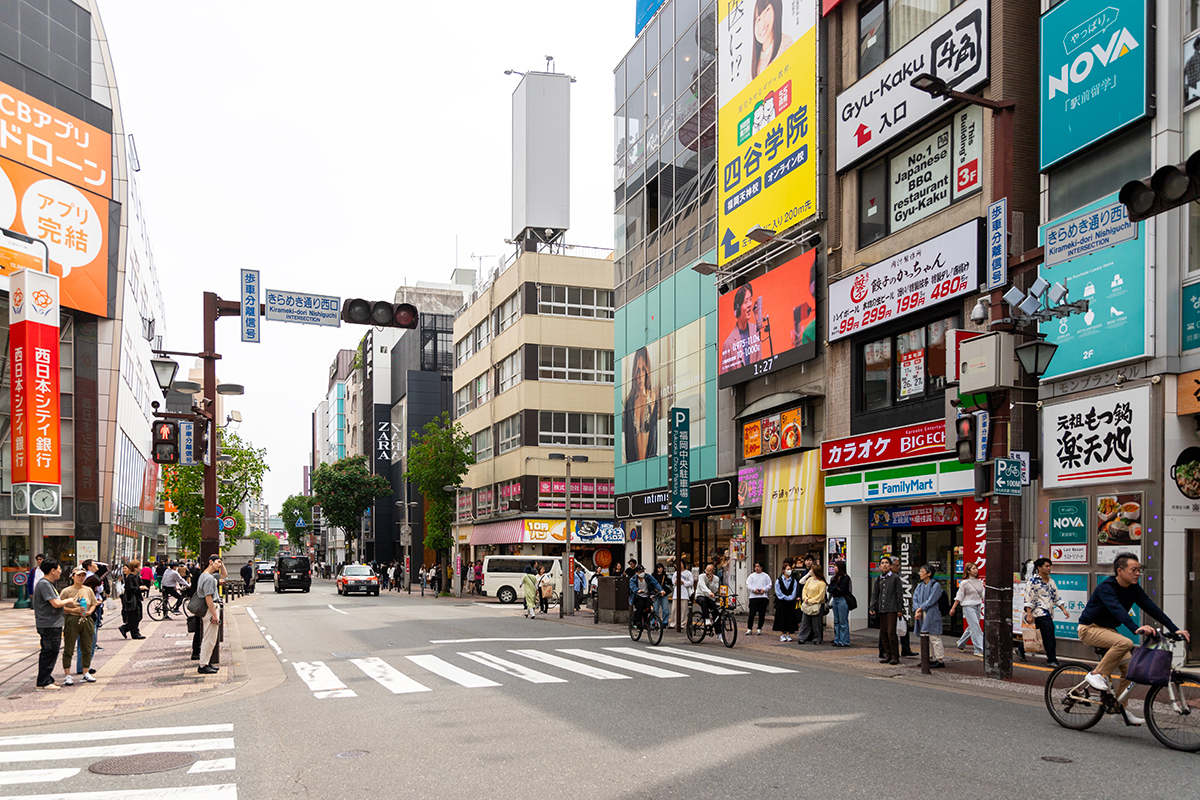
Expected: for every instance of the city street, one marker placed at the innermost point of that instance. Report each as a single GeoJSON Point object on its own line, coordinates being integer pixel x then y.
{"type": "Point", "coordinates": [359, 696]}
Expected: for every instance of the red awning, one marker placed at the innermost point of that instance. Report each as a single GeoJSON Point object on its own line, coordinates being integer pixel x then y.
{"type": "Point", "coordinates": [507, 532]}
{"type": "Point", "coordinates": [828, 5]}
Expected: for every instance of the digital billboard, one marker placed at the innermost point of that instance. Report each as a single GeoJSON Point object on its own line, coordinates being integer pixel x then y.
{"type": "Point", "coordinates": [767, 123]}
{"type": "Point", "coordinates": [665, 373]}
{"type": "Point", "coordinates": [750, 344]}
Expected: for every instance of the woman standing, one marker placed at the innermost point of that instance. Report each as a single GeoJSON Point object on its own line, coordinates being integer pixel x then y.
{"type": "Point", "coordinates": [970, 597]}
{"type": "Point", "coordinates": [785, 603]}
{"type": "Point", "coordinates": [529, 585]}
{"type": "Point", "coordinates": [131, 601]}
{"type": "Point", "coordinates": [662, 603]}
{"type": "Point", "coordinates": [686, 581]}
{"type": "Point", "coordinates": [928, 615]}
{"type": "Point", "coordinates": [758, 583]}
{"type": "Point", "coordinates": [545, 585]}
{"type": "Point", "coordinates": [79, 626]}
{"type": "Point", "coordinates": [812, 607]}
{"type": "Point", "coordinates": [839, 593]}
{"type": "Point", "coordinates": [1041, 598]}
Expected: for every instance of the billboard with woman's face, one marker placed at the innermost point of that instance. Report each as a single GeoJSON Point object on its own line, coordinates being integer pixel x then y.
{"type": "Point", "coordinates": [768, 323]}
{"type": "Point", "coordinates": [665, 373]}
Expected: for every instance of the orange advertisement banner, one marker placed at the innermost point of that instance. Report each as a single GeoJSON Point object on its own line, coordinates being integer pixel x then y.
{"type": "Point", "coordinates": [752, 440]}
{"type": "Point", "coordinates": [72, 223]}
{"type": "Point", "coordinates": [40, 136]}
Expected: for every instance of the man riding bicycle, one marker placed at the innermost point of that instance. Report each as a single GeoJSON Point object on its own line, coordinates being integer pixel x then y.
{"type": "Point", "coordinates": [172, 585]}
{"type": "Point", "coordinates": [642, 588]}
{"type": "Point", "coordinates": [1106, 610]}
{"type": "Point", "coordinates": [707, 588]}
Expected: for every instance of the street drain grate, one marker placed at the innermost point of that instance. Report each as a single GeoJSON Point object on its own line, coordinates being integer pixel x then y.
{"type": "Point", "coordinates": [255, 647]}
{"type": "Point", "coordinates": [143, 763]}
{"type": "Point", "coordinates": [353, 754]}
{"type": "Point", "coordinates": [1058, 760]}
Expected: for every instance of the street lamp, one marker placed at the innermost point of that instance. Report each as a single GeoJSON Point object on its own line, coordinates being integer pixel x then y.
{"type": "Point", "coordinates": [454, 549]}
{"type": "Point", "coordinates": [406, 537]}
{"type": "Point", "coordinates": [1035, 356]}
{"type": "Point", "coordinates": [164, 372]}
{"type": "Point", "coordinates": [568, 592]}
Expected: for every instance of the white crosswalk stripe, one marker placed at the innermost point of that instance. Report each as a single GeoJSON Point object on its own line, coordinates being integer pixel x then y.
{"type": "Point", "coordinates": [621, 663]}
{"type": "Point", "coordinates": [36, 775]}
{"type": "Point", "coordinates": [321, 680]}
{"type": "Point", "coordinates": [571, 666]}
{"type": "Point", "coordinates": [729, 662]}
{"type": "Point", "coordinates": [388, 676]}
{"type": "Point", "coordinates": [450, 672]}
{"type": "Point", "coordinates": [511, 668]}
{"type": "Point", "coordinates": [699, 666]}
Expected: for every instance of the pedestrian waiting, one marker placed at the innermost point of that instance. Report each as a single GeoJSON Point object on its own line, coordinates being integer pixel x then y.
{"type": "Point", "coordinates": [79, 626]}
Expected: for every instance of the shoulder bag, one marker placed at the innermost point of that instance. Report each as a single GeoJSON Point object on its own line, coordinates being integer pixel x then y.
{"type": "Point", "coordinates": [1150, 665]}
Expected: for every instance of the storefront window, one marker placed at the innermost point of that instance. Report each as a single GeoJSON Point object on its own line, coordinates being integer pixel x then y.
{"type": "Point", "coordinates": [881, 34]}
{"type": "Point", "coordinates": [877, 374]}
{"type": "Point", "coordinates": [917, 369]}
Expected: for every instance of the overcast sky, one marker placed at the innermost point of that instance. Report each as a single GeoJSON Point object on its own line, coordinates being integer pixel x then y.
{"type": "Point", "coordinates": [341, 149]}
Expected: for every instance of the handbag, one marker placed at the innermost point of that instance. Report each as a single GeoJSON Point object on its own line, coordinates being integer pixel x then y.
{"type": "Point", "coordinates": [851, 603]}
{"type": "Point", "coordinates": [1031, 637]}
{"type": "Point", "coordinates": [193, 624]}
{"type": "Point", "coordinates": [1150, 665]}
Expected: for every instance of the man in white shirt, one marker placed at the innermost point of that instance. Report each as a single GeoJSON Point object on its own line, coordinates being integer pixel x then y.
{"type": "Point", "coordinates": [706, 592]}
{"type": "Point", "coordinates": [172, 585]}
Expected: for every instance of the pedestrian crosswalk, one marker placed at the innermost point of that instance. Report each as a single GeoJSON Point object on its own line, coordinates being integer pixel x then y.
{"type": "Point", "coordinates": [477, 669]}
{"type": "Point", "coordinates": [53, 766]}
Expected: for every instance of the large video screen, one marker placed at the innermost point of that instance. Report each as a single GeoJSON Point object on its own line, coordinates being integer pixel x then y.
{"type": "Point", "coordinates": [768, 323]}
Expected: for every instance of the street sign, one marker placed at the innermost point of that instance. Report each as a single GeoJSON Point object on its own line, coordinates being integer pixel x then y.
{"type": "Point", "coordinates": [680, 452]}
{"type": "Point", "coordinates": [1007, 477]}
{"type": "Point", "coordinates": [228, 523]}
{"type": "Point", "coordinates": [250, 320]}
{"type": "Point", "coordinates": [300, 522]}
{"type": "Point", "coordinates": [19, 578]}
{"type": "Point", "coordinates": [220, 510]}
{"type": "Point", "coordinates": [982, 418]}
{"type": "Point", "coordinates": [307, 309]}
{"type": "Point", "coordinates": [187, 444]}
{"type": "Point", "coordinates": [997, 244]}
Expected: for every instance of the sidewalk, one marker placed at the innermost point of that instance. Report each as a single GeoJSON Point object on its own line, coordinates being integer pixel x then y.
{"type": "Point", "coordinates": [131, 675]}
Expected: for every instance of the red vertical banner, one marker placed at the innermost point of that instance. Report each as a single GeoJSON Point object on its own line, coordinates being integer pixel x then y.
{"type": "Point", "coordinates": [975, 519]}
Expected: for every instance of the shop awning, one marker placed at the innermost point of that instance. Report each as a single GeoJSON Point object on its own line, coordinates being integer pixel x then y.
{"type": "Point", "coordinates": [794, 496]}
{"type": "Point", "coordinates": [508, 532]}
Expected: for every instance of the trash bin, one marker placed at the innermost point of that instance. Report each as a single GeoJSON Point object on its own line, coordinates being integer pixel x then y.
{"type": "Point", "coordinates": [613, 600]}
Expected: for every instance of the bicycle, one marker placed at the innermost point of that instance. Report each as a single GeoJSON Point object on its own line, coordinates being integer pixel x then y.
{"type": "Point", "coordinates": [158, 606]}
{"type": "Point", "coordinates": [645, 619]}
{"type": "Point", "coordinates": [1172, 712]}
{"type": "Point", "coordinates": [723, 626]}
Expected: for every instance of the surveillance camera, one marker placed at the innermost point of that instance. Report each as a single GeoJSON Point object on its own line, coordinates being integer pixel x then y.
{"type": "Point", "coordinates": [978, 314]}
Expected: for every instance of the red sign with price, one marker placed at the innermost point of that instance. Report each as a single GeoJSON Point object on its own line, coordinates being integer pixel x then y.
{"type": "Point", "coordinates": [942, 268]}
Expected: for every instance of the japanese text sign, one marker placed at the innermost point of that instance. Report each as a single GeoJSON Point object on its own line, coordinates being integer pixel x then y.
{"type": "Point", "coordinates": [997, 243]}
{"type": "Point", "coordinates": [1069, 531]}
{"type": "Point", "coordinates": [909, 441]}
{"type": "Point", "coordinates": [1097, 440]}
{"type": "Point", "coordinates": [767, 124]}
{"type": "Point", "coordinates": [680, 463]}
{"type": "Point", "coordinates": [1191, 316]}
{"type": "Point", "coordinates": [33, 312]}
{"type": "Point", "coordinates": [883, 105]}
{"type": "Point", "coordinates": [250, 291]}
{"type": "Point", "coordinates": [910, 516]}
{"type": "Point", "coordinates": [975, 520]}
{"type": "Point", "coordinates": [773, 434]}
{"type": "Point", "coordinates": [308, 309]}
{"type": "Point", "coordinates": [794, 496]}
{"type": "Point", "coordinates": [750, 485]}
{"type": "Point", "coordinates": [1073, 592]}
{"type": "Point", "coordinates": [74, 224]}
{"type": "Point", "coordinates": [1007, 477]}
{"type": "Point", "coordinates": [1094, 72]}
{"type": "Point", "coordinates": [187, 444]}
{"type": "Point", "coordinates": [942, 268]}
{"type": "Point", "coordinates": [1096, 229]}
{"type": "Point", "coordinates": [40, 136]}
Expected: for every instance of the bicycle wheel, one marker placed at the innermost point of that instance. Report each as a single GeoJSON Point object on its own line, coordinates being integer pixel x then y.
{"type": "Point", "coordinates": [1071, 700]}
{"type": "Point", "coordinates": [695, 627]}
{"type": "Point", "coordinates": [154, 608]}
{"type": "Point", "coordinates": [1173, 713]}
{"type": "Point", "coordinates": [729, 628]}
{"type": "Point", "coordinates": [635, 625]}
{"type": "Point", "coordinates": [654, 630]}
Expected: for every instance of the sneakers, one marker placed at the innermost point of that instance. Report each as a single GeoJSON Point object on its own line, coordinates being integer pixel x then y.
{"type": "Point", "coordinates": [748, 633]}
{"type": "Point", "coordinates": [1132, 719]}
{"type": "Point", "coordinates": [49, 687]}
{"type": "Point", "coordinates": [962, 646]}
{"type": "Point", "coordinates": [785, 638]}
{"type": "Point", "coordinates": [68, 681]}
{"type": "Point", "coordinates": [1097, 681]}
{"type": "Point", "coordinates": [757, 632]}
{"type": "Point", "coordinates": [89, 678]}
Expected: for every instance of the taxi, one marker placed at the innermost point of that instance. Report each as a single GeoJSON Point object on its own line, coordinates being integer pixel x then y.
{"type": "Point", "coordinates": [357, 578]}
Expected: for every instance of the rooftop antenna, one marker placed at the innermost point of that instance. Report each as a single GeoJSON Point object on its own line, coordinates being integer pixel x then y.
{"type": "Point", "coordinates": [550, 64]}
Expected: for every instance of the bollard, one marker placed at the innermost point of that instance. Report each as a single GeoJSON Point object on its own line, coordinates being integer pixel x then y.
{"type": "Point", "coordinates": [925, 654]}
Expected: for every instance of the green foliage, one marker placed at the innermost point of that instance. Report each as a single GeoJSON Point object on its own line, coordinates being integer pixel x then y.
{"type": "Point", "coordinates": [266, 545]}
{"type": "Point", "coordinates": [344, 490]}
{"type": "Point", "coordinates": [184, 487]}
{"type": "Point", "coordinates": [439, 456]}
{"type": "Point", "coordinates": [297, 507]}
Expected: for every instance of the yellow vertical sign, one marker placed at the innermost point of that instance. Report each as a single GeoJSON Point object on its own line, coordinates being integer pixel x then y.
{"type": "Point", "coordinates": [767, 123]}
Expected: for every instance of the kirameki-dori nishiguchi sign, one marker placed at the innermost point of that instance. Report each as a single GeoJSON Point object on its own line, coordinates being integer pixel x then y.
{"type": "Point", "coordinates": [939, 269]}
{"type": "Point", "coordinates": [1098, 440]}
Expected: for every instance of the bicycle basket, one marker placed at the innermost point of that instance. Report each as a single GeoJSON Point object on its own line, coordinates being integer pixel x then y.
{"type": "Point", "coordinates": [1150, 665]}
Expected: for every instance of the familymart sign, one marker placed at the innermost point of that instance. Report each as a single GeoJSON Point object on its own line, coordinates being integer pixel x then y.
{"type": "Point", "coordinates": [931, 479]}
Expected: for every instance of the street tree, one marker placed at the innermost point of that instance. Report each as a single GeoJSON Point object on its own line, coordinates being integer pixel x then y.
{"type": "Point", "coordinates": [240, 479]}
{"type": "Point", "coordinates": [345, 489]}
{"type": "Point", "coordinates": [297, 507]}
{"type": "Point", "coordinates": [439, 456]}
{"type": "Point", "coordinates": [266, 545]}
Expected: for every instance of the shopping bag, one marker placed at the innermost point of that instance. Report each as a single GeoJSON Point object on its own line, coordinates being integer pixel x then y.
{"type": "Point", "coordinates": [901, 626]}
{"type": "Point", "coordinates": [1032, 638]}
{"type": "Point", "coordinates": [1150, 665]}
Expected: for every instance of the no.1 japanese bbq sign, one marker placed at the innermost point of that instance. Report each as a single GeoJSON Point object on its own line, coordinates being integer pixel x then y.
{"type": "Point", "coordinates": [1102, 439]}
{"type": "Point", "coordinates": [33, 355]}
{"type": "Point", "coordinates": [924, 439]}
{"type": "Point", "coordinates": [934, 271]}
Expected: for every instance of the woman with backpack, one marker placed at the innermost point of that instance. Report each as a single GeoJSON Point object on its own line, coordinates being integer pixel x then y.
{"type": "Point", "coordinates": [927, 602]}
{"type": "Point", "coordinates": [785, 603]}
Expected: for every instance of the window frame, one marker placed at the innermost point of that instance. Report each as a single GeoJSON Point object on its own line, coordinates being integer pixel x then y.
{"type": "Point", "coordinates": [509, 372]}
{"type": "Point", "coordinates": [885, 32]}
{"type": "Point", "coordinates": [508, 434]}
{"type": "Point", "coordinates": [482, 454]}
{"type": "Point", "coordinates": [933, 389]}
{"type": "Point", "coordinates": [579, 429]}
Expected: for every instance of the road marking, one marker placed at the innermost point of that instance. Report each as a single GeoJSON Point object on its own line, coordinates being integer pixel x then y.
{"type": "Point", "coordinates": [510, 668]}
{"type": "Point", "coordinates": [321, 680]}
{"type": "Point", "coordinates": [90, 736]}
{"type": "Point", "coordinates": [36, 775]}
{"type": "Point", "coordinates": [388, 676]}
{"type": "Point", "coordinates": [525, 639]}
{"type": "Point", "coordinates": [450, 672]}
{"type": "Point", "coordinates": [729, 662]}
{"type": "Point", "coordinates": [571, 666]}
{"type": "Point", "coordinates": [621, 663]}
{"type": "Point", "coordinates": [347, 613]}
{"type": "Point", "coordinates": [678, 662]}
{"type": "Point", "coordinates": [226, 791]}
{"type": "Point", "coordinates": [114, 750]}
{"type": "Point", "coordinates": [216, 765]}
{"type": "Point", "coordinates": [250, 611]}
{"type": "Point", "coordinates": [274, 646]}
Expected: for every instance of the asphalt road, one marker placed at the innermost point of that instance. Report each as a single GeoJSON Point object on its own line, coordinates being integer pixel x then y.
{"type": "Point", "coordinates": [434, 702]}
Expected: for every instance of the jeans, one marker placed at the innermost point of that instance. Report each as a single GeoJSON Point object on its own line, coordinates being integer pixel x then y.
{"type": "Point", "coordinates": [662, 609]}
{"type": "Point", "coordinates": [51, 641]}
{"type": "Point", "coordinates": [758, 605]}
{"type": "Point", "coordinates": [973, 632]}
{"type": "Point", "coordinates": [1046, 626]}
{"type": "Point", "coordinates": [841, 620]}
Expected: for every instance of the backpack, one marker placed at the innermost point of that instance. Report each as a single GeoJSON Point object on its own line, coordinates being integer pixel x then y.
{"type": "Point", "coordinates": [944, 603]}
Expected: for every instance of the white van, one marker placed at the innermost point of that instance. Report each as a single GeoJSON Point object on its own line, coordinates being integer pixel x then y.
{"type": "Point", "coordinates": [502, 575]}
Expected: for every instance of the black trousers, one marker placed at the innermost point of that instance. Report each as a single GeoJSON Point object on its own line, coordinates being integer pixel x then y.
{"type": "Point", "coordinates": [758, 605]}
{"type": "Point", "coordinates": [48, 657]}
{"type": "Point", "coordinates": [1046, 626]}
{"type": "Point", "coordinates": [198, 637]}
{"type": "Point", "coordinates": [889, 643]}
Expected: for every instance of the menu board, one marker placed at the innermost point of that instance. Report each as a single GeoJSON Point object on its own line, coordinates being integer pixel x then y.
{"type": "Point", "coordinates": [912, 373]}
{"type": "Point", "coordinates": [1118, 526]}
{"type": "Point", "coordinates": [750, 485]}
{"type": "Point", "coordinates": [774, 434]}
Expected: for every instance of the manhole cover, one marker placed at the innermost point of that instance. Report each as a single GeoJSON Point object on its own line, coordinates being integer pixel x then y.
{"type": "Point", "coordinates": [353, 753]}
{"type": "Point", "coordinates": [143, 764]}
{"type": "Point", "coordinates": [1057, 760]}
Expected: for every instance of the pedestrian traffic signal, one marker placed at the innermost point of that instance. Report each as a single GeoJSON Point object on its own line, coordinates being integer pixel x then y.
{"type": "Point", "coordinates": [380, 313]}
{"type": "Point", "coordinates": [1169, 187]}
{"type": "Point", "coordinates": [965, 427]}
{"type": "Point", "coordinates": [166, 441]}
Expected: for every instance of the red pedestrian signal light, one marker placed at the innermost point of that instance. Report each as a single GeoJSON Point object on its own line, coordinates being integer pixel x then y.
{"type": "Point", "coordinates": [965, 428]}
{"type": "Point", "coordinates": [166, 441]}
{"type": "Point", "coordinates": [380, 313]}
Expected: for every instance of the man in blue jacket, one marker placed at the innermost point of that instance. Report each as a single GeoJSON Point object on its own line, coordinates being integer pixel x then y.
{"type": "Point", "coordinates": [642, 589]}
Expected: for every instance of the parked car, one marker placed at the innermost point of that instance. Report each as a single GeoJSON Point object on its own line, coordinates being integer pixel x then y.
{"type": "Point", "coordinates": [357, 578]}
{"type": "Point", "coordinates": [293, 572]}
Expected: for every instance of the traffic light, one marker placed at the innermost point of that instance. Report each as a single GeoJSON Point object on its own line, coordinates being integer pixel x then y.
{"type": "Point", "coordinates": [166, 441]}
{"type": "Point", "coordinates": [380, 313]}
{"type": "Point", "coordinates": [1169, 187]}
{"type": "Point", "coordinates": [965, 427]}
